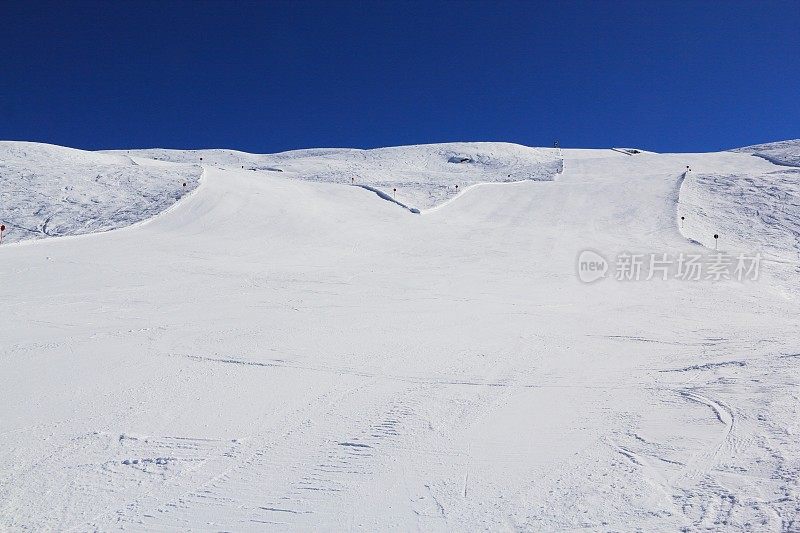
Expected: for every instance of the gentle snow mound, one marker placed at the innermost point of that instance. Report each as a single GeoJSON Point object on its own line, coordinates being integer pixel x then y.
{"type": "Point", "coordinates": [48, 191]}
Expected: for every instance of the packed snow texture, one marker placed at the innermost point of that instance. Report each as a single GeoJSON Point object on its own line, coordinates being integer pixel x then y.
{"type": "Point", "coordinates": [750, 212]}
{"type": "Point", "coordinates": [781, 153]}
{"type": "Point", "coordinates": [50, 191]}
{"type": "Point", "coordinates": [420, 176]}
{"type": "Point", "coordinates": [280, 354]}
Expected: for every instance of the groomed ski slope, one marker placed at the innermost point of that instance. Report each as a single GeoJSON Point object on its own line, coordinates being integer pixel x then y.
{"type": "Point", "coordinates": [417, 177]}
{"type": "Point", "coordinates": [276, 354]}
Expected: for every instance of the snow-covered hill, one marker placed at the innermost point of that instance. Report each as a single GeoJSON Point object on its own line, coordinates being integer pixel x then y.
{"type": "Point", "coordinates": [781, 153]}
{"type": "Point", "coordinates": [48, 191]}
{"type": "Point", "coordinates": [419, 176]}
{"type": "Point", "coordinates": [749, 211]}
{"type": "Point", "coordinates": [752, 208]}
{"type": "Point", "coordinates": [284, 354]}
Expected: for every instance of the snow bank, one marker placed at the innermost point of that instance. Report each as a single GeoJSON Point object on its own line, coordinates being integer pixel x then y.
{"type": "Point", "coordinates": [48, 191]}
{"type": "Point", "coordinates": [781, 153]}
{"type": "Point", "coordinates": [424, 175]}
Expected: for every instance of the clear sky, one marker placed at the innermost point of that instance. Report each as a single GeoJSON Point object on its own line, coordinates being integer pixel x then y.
{"type": "Point", "coordinates": [268, 76]}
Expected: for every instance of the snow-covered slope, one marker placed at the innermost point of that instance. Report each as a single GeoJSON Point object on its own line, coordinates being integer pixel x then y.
{"type": "Point", "coordinates": [750, 211]}
{"type": "Point", "coordinates": [419, 176]}
{"type": "Point", "coordinates": [281, 354]}
{"type": "Point", "coordinates": [781, 153]}
{"type": "Point", "coordinates": [48, 191]}
{"type": "Point", "coordinates": [752, 207]}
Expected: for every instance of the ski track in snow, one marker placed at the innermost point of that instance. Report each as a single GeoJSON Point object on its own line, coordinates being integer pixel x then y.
{"type": "Point", "coordinates": [278, 353]}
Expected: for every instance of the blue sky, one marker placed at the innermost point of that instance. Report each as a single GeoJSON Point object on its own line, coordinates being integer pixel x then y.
{"type": "Point", "coordinates": [271, 76]}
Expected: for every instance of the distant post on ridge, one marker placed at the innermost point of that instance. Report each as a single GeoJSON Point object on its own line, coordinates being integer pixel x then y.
{"type": "Point", "coordinates": [716, 239]}
{"type": "Point", "coordinates": [2, 230]}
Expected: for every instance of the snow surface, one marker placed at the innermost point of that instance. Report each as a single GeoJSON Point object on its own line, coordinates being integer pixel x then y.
{"type": "Point", "coordinates": [752, 208]}
{"type": "Point", "coordinates": [284, 354]}
{"type": "Point", "coordinates": [423, 175]}
{"type": "Point", "coordinates": [50, 191]}
{"type": "Point", "coordinates": [781, 153]}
